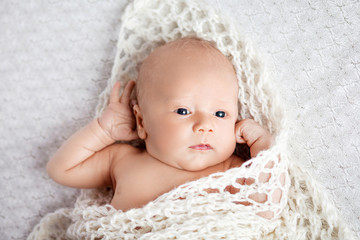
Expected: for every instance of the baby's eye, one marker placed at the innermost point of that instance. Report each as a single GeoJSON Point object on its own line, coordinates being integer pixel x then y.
{"type": "Point", "coordinates": [182, 111]}
{"type": "Point", "coordinates": [220, 114]}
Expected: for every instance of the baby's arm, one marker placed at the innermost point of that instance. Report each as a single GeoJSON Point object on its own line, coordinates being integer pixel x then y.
{"type": "Point", "coordinates": [257, 138]}
{"type": "Point", "coordinates": [84, 160]}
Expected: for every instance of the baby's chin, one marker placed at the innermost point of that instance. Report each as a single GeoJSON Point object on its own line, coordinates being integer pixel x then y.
{"type": "Point", "coordinates": [192, 162]}
{"type": "Point", "coordinates": [195, 166]}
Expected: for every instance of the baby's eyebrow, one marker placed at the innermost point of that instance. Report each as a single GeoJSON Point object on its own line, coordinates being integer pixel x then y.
{"type": "Point", "coordinates": [178, 99]}
{"type": "Point", "coordinates": [223, 105]}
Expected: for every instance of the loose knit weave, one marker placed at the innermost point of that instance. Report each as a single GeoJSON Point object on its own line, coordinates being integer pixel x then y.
{"type": "Point", "coordinates": [188, 211]}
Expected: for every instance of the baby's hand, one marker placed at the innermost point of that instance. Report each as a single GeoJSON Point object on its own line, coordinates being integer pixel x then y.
{"type": "Point", "coordinates": [256, 137]}
{"type": "Point", "coordinates": [118, 120]}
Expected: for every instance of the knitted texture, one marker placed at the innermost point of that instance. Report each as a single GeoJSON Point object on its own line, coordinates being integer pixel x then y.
{"type": "Point", "coordinates": [191, 211]}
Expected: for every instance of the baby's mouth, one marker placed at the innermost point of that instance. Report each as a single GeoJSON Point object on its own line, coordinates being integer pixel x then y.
{"type": "Point", "coordinates": [201, 147]}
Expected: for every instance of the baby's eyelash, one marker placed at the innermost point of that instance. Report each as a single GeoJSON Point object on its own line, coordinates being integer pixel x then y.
{"type": "Point", "coordinates": [182, 111]}
{"type": "Point", "coordinates": [220, 114]}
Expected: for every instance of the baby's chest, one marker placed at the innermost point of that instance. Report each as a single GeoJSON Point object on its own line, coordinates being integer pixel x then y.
{"type": "Point", "coordinates": [140, 182]}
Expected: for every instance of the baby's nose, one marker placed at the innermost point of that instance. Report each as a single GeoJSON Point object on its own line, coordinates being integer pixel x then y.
{"type": "Point", "coordinates": [202, 125]}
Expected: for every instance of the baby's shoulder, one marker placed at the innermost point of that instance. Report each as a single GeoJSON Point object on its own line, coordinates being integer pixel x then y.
{"type": "Point", "coordinates": [123, 158]}
{"type": "Point", "coordinates": [123, 150]}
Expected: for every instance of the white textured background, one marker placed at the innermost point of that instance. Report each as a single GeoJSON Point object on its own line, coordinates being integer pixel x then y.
{"type": "Point", "coordinates": [56, 56]}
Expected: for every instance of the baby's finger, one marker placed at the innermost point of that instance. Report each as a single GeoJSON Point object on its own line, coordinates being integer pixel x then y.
{"type": "Point", "coordinates": [133, 102]}
{"type": "Point", "coordinates": [240, 128]}
{"type": "Point", "coordinates": [238, 135]}
{"type": "Point", "coordinates": [125, 97]}
{"type": "Point", "coordinates": [240, 139]}
{"type": "Point", "coordinates": [114, 95]}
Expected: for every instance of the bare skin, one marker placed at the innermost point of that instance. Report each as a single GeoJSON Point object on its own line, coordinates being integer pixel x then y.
{"type": "Point", "coordinates": [188, 120]}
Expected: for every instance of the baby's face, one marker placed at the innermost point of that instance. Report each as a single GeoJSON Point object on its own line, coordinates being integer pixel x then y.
{"type": "Point", "coordinates": [190, 111]}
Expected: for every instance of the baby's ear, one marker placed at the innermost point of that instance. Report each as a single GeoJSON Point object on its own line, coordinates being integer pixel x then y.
{"type": "Point", "coordinates": [139, 122]}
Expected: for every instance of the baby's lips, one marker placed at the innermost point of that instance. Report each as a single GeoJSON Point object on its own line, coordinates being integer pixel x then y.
{"type": "Point", "coordinates": [201, 147]}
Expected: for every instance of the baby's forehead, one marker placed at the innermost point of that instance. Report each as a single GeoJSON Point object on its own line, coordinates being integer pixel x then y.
{"type": "Point", "coordinates": [171, 57]}
{"type": "Point", "coordinates": [186, 49]}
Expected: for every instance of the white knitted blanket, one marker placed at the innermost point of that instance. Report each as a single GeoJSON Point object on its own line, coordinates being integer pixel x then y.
{"type": "Point", "coordinates": [188, 211]}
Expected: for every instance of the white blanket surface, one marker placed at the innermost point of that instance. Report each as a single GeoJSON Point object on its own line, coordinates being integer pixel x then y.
{"type": "Point", "coordinates": [56, 57]}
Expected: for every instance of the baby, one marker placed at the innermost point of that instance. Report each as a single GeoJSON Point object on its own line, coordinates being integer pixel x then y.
{"type": "Point", "coordinates": [186, 113]}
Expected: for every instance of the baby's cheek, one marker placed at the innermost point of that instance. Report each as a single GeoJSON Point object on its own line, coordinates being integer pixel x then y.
{"type": "Point", "coordinates": [227, 141]}
{"type": "Point", "coordinates": [231, 135]}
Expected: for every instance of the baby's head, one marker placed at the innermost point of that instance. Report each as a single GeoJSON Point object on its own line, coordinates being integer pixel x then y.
{"type": "Point", "coordinates": [187, 104]}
